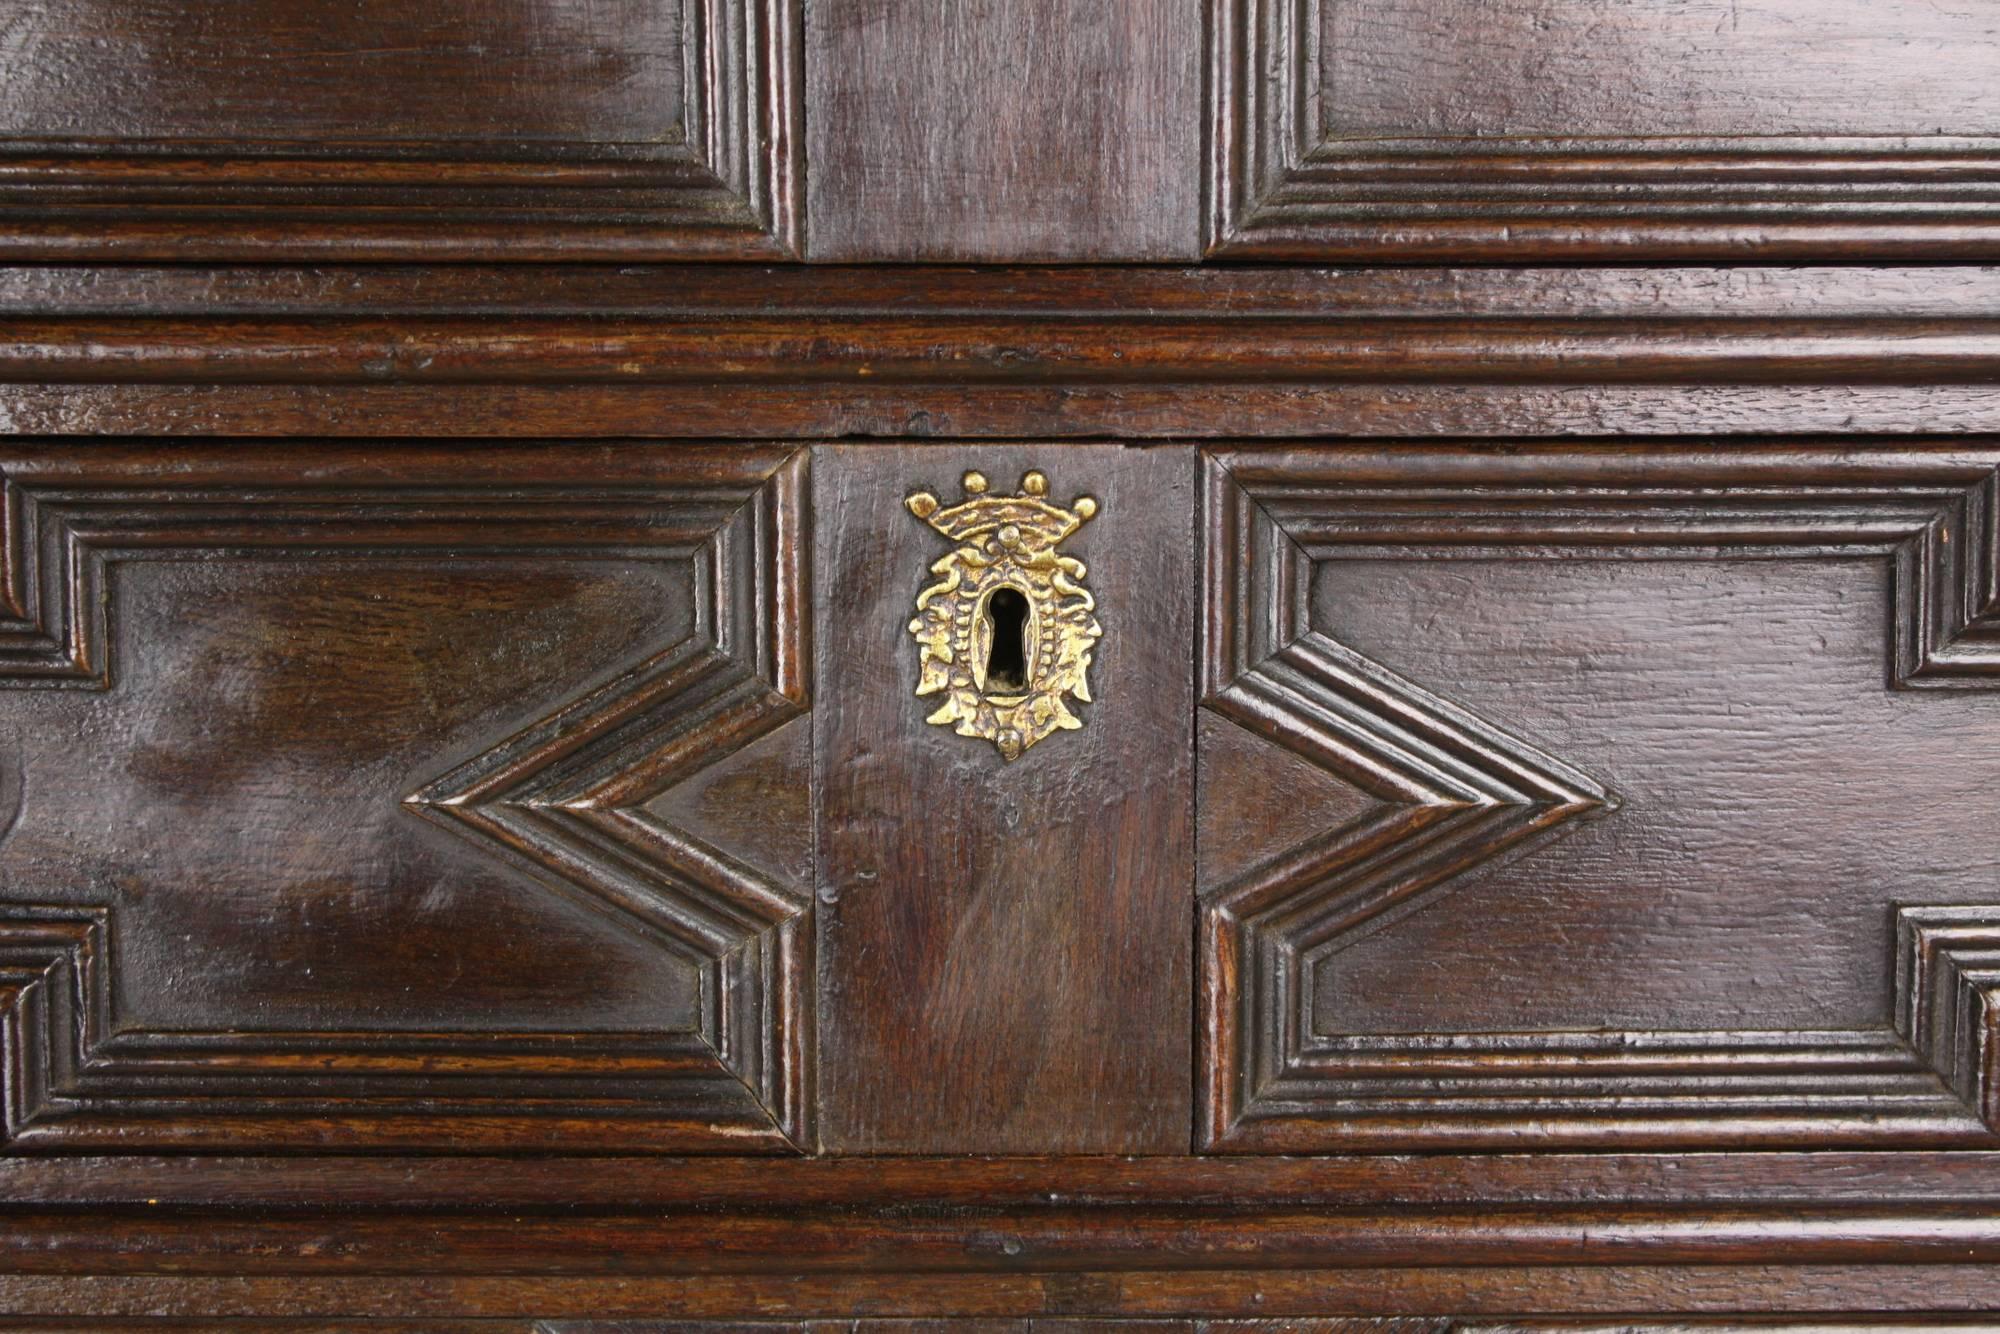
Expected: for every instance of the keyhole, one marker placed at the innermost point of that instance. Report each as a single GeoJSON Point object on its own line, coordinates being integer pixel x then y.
{"type": "Point", "coordinates": [1007, 654]}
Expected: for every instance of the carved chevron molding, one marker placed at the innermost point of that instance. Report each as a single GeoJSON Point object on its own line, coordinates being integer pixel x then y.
{"type": "Point", "coordinates": [564, 798]}
{"type": "Point", "coordinates": [1948, 997]}
{"type": "Point", "coordinates": [1454, 792]}
{"type": "Point", "coordinates": [53, 1000]}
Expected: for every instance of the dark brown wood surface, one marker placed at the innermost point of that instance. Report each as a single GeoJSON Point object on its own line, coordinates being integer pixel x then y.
{"type": "Point", "coordinates": [1001, 130]}
{"type": "Point", "coordinates": [1776, 545]}
{"type": "Point", "coordinates": [492, 129]}
{"type": "Point", "coordinates": [471, 853]}
{"type": "Point", "coordinates": [1590, 130]}
{"type": "Point", "coordinates": [328, 787]}
{"type": "Point", "coordinates": [464, 70]}
{"type": "Point", "coordinates": [1598, 68]}
{"type": "Point", "coordinates": [1063, 351]}
{"type": "Point", "coordinates": [1626, 684]}
{"type": "Point", "coordinates": [1004, 129]}
{"type": "Point", "coordinates": [1004, 960]}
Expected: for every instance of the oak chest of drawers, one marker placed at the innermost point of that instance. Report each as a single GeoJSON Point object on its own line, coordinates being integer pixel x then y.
{"type": "Point", "coordinates": [725, 666]}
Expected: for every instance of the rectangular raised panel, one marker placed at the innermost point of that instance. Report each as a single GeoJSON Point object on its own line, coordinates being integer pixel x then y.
{"type": "Point", "coordinates": [1004, 962]}
{"type": "Point", "coordinates": [1629, 796]}
{"type": "Point", "coordinates": [371, 801]}
{"type": "Point", "coordinates": [466, 129]}
{"type": "Point", "coordinates": [1590, 129]}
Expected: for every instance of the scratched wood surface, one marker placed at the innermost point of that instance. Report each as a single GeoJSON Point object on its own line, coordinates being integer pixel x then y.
{"type": "Point", "coordinates": [1004, 945]}
{"type": "Point", "coordinates": [464, 70]}
{"type": "Point", "coordinates": [1004, 129]}
{"type": "Point", "coordinates": [1715, 67]}
{"type": "Point", "coordinates": [471, 854]}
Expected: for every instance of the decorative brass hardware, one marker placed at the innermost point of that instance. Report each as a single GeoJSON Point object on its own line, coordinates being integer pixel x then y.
{"type": "Point", "coordinates": [1008, 629]}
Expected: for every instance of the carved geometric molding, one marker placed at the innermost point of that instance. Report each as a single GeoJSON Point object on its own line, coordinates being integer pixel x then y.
{"type": "Point", "coordinates": [723, 180]}
{"type": "Point", "coordinates": [1454, 792]}
{"type": "Point", "coordinates": [1284, 182]}
{"type": "Point", "coordinates": [564, 799]}
{"type": "Point", "coordinates": [1948, 997]}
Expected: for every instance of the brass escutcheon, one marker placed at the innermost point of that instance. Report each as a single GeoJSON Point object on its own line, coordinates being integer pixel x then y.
{"type": "Point", "coordinates": [1007, 631]}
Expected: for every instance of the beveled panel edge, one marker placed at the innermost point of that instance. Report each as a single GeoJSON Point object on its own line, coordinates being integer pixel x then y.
{"type": "Point", "coordinates": [563, 799]}
{"type": "Point", "coordinates": [1276, 189]}
{"type": "Point", "coordinates": [731, 187]}
{"type": "Point", "coordinates": [1271, 1082]}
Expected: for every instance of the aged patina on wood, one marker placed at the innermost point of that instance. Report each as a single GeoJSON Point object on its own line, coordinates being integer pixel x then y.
{"type": "Point", "coordinates": [474, 854]}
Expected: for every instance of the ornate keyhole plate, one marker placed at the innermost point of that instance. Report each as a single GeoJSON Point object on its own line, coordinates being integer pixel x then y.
{"type": "Point", "coordinates": [1007, 631]}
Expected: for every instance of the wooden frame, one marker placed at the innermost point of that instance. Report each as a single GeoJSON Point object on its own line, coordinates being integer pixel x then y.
{"type": "Point", "coordinates": [1280, 187]}
{"type": "Point", "coordinates": [1460, 793]}
{"type": "Point", "coordinates": [564, 799]}
{"type": "Point", "coordinates": [729, 186]}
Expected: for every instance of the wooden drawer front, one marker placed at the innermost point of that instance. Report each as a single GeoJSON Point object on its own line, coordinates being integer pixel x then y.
{"type": "Point", "coordinates": [1518, 131]}
{"type": "Point", "coordinates": [366, 800]}
{"type": "Point", "coordinates": [1577, 129]}
{"type": "Point", "coordinates": [463, 799]}
{"type": "Point", "coordinates": [1599, 797]}
{"type": "Point", "coordinates": [359, 129]}
{"type": "Point", "coordinates": [583, 798]}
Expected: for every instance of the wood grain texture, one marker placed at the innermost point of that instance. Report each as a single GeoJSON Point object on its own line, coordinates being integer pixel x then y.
{"type": "Point", "coordinates": [469, 129]}
{"type": "Point", "coordinates": [460, 70]}
{"type": "Point", "coordinates": [1608, 1291]}
{"type": "Point", "coordinates": [1579, 130]}
{"type": "Point", "coordinates": [259, 676]}
{"type": "Point", "coordinates": [1011, 1242]}
{"type": "Point", "coordinates": [1597, 68]}
{"type": "Point", "coordinates": [1056, 412]}
{"type": "Point", "coordinates": [1289, 1237]}
{"type": "Point", "coordinates": [1752, 1021]}
{"type": "Point", "coordinates": [1222, 293]}
{"type": "Point", "coordinates": [470, 1184]}
{"type": "Point", "coordinates": [1005, 946]}
{"type": "Point", "coordinates": [1004, 129]}
{"type": "Point", "coordinates": [838, 332]}
{"type": "Point", "coordinates": [1008, 352]}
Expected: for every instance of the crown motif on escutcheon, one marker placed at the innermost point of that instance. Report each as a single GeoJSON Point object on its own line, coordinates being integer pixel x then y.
{"type": "Point", "coordinates": [1006, 634]}
{"type": "Point", "coordinates": [1037, 522]}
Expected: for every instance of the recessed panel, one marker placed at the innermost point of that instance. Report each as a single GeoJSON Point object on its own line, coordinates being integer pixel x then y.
{"type": "Point", "coordinates": [237, 799]}
{"type": "Point", "coordinates": [230, 130]}
{"type": "Point", "coordinates": [1550, 130]}
{"type": "Point", "coordinates": [1667, 777]}
{"type": "Point", "coordinates": [1774, 795]}
{"type": "Point", "coordinates": [344, 800]}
